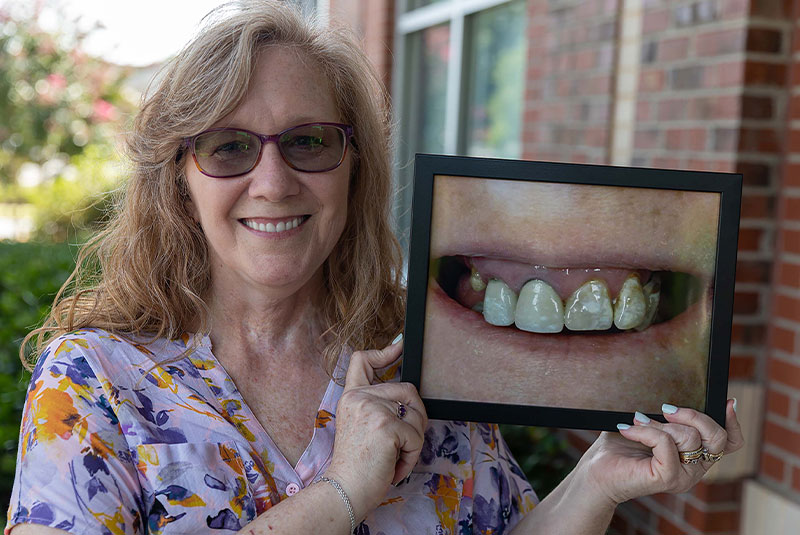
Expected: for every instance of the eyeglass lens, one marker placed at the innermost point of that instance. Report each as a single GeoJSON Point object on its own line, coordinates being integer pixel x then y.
{"type": "Point", "coordinates": [312, 148]}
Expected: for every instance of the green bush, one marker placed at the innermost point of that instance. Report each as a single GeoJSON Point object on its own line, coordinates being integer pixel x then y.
{"type": "Point", "coordinates": [30, 276]}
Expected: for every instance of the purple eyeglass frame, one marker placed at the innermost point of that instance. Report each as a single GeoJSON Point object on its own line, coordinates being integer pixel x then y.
{"type": "Point", "coordinates": [347, 130]}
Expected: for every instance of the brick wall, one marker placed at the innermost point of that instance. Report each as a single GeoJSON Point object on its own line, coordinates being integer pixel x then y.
{"type": "Point", "coordinates": [780, 456]}
{"type": "Point", "coordinates": [568, 96]}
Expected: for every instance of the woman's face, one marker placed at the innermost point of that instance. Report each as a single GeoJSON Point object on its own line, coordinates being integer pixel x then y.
{"type": "Point", "coordinates": [308, 210]}
{"type": "Point", "coordinates": [558, 341]}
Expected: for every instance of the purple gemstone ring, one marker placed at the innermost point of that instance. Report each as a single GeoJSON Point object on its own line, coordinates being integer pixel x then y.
{"type": "Point", "coordinates": [401, 410]}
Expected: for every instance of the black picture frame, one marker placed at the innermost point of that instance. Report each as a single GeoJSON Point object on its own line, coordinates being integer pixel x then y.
{"type": "Point", "coordinates": [428, 167]}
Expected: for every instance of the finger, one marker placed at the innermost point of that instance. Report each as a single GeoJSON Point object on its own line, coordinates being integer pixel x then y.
{"type": "Point", "coordinates": [361, 371]}
{"type": "Point", "coordinates": [735, 435]}
{"type": "Point", "coordinates": [686, 438]}
{"type": "Point", "coordinates": [712, 435]}
{"type": "Point", "coordinates": [664, 463]}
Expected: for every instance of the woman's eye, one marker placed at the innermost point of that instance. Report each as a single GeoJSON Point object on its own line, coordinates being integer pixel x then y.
{"type": "Point", "coordinates": [306, 142]}
{"type": "Point", "coordinates": [231, 148]}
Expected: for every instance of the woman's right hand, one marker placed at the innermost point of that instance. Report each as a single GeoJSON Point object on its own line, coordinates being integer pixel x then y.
{"type": "Point", "coordinates": [375, 447]}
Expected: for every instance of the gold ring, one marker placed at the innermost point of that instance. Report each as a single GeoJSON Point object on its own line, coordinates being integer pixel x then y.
{"type": "Point", "coordinates": [712, 457]}
{"type": "Point", "coordinates": [693, 457]}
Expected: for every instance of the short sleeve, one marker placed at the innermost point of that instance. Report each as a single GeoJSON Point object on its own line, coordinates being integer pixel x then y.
{"type": "Point", "coordinates": [501, 494]}
{"type": "Point", "coordinates": [74, 469]}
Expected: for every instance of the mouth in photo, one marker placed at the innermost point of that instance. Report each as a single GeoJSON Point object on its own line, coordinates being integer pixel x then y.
{"type": "Point", "coordinates": [509, 295]}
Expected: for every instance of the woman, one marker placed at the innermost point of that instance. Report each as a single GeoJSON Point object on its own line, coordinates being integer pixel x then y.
{"type": "Point", "coordinates": [253, 236]}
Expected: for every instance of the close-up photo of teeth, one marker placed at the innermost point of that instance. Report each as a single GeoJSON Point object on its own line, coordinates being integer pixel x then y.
{"type": "Point", "coordinates": [542, 300]}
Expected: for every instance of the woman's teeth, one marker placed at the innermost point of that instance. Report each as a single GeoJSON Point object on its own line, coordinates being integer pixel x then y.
{"type": "Point", "coordinates": [539, 309]}
{"type": "Point", "coordinates": [272, 227]}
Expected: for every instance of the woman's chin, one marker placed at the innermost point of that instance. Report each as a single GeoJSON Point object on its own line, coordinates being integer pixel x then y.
{"type": "Point", "coordinates": [465, 358]}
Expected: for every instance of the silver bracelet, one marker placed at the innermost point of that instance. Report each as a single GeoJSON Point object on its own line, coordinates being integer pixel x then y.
{"type": "Point", "coordinates": [345, 499]}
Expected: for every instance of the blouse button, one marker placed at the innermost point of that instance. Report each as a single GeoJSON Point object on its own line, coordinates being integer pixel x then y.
{"type": "Point", "coordinates": [292, 489]}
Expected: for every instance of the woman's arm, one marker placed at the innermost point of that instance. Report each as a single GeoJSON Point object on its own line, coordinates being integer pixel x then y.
{"type": "Point", "coordinates": [642, 460]}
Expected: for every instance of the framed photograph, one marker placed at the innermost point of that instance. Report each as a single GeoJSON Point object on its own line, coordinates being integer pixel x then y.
{"type": "Point", "coordinates": [568, 295]}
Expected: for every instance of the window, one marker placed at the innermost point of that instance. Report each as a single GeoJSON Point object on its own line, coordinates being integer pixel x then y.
{"type": "Point", "coordinates": [459, 83]}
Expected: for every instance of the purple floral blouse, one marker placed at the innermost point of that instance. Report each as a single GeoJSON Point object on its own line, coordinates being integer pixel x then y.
{"type": "Point", "coordinates": [111, 444]}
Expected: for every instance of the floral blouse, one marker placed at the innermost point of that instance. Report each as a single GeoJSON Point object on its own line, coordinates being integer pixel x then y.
{"type": "Point", "coordinates": [112, 443]}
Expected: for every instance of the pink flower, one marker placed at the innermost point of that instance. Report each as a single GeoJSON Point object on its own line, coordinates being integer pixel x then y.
{"type": "Point", "coordinates": [102, 110]}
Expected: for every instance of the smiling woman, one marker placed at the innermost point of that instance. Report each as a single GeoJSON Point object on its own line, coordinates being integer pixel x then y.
{"type": "Point", "coordinates": [592, 297]}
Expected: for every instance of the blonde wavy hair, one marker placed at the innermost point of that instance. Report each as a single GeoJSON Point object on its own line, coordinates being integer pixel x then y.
{"type": "Point", "coordinates": [148, 270]}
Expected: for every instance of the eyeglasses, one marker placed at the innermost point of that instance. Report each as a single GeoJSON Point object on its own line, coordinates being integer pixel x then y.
{"type": "Point", "coordinates": [232, 152]}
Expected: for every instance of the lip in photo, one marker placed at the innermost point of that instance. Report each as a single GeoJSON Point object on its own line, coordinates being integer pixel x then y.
{"type": "Point", "coordinates": [568, 294]}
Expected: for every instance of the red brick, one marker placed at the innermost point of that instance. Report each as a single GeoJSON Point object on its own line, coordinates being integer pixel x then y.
{"type": "Point", "coordinates": [755, 271]}
{"type": "Point", "coordinates": [788, 275]}
{"type": "Point", "coordinates": [750, 239]}
{"type": "Point", "coordinates": [749, 335]}
{"type": "Point", "coordinates": [755, 174]}
{"type": "Point", "coordinates": [729, 74]}
{"type": "Point", "coordinates": [772, 466]}
{"type": "Point", "coordinates": [767, 74]}
{"type": "Point", "coordinates": [717, 107]}
{"type": "Point", "coordinates": [759, 140]}
{"type": "Point", "coordinates": [790, 208]}
{"type": "Point", "coordinates": [665, 527]}
{"type": "Point", "coordinates": [754, 107]}
{"type": "Point", "coordinates": [718, 492]}
{"type": "Point", "coordinates": [735, 9]}
{"type": "Point", "coordinates": [796, 478]}
{"type": "Point", "coordinates": [757, 206]}
{"type": "Point", "coordinates": [787, 307]}
{"type": "Point", "coordinates": [711, 521]}
{"type": "Point", "coordinates": [655, 21]}
{"type": "Point", "coordinates": [746, 302]}
{"type": "Point", "coordinates": [670, 501]}
{"type": "Point", "coordinates": [673, 109]}
{"type": "Point", "coordinates": [673, 49]}
{"type": "Point", "coordinates": [766, 40]}
{"type": "Point", "coordinates": [789, 241]}
{"type": "Point", "coordinates": [784, 373]}
{"type": "Point", "coordinates": [778, 403]}
{"type": "Point", "coordinates": [686, 139]}
{"type": "Point", "coordinates": [643, 111]}
{"type": "Point", "coordinates": [783, 438]}
{"type": "Point", "coordinates": [651, 80]}
{"type": "Point", "coordinates": [790, 175]}
{"type": "Point", "coordinates": [725, 139]}
{"type": "Point", "coordinates": [793, 141]}
{"type": "Point", "coordinates": [717, 43]}
{"type": "Point", "coordinates": [794, 104]}
{"type": "Point", "coordinates": [742, 367]}
{"type": "Point", "coordinates": [772, 9]}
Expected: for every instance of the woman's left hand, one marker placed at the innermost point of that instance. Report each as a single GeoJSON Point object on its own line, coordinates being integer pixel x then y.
{"type": "Point", "coordinates": [644, 458]}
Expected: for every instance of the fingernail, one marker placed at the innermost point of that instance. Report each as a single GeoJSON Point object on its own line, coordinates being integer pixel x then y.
{"type": "Point", "coordinates": [640, 417]}
{"type": "Point", "coordinates": [397, 339]}
{"type": "Point", "coordinates": [623, 427]}
{"type": "Point", "coordinates": [666, 408]}
{"type": "Point", "coordinates": [734, 404]}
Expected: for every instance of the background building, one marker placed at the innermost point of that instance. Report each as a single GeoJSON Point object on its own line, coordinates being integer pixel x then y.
{"type": "Point", "coordinates": [685, 84]}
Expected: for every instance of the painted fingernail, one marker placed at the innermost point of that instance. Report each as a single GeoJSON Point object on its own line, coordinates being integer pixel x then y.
{"type": "Point", "coordinates": [734, 404]}
{"type": "Point", "coordinates": [640, 417]}
{"type": "Point", "coordinates": [623, 427]}
{"type": "Point", "coordinates": [397, 339]}
{"type": "Point", "coordinates": [666, 408]}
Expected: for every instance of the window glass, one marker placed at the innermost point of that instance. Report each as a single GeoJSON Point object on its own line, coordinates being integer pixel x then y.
{"type": "Point", "coordinates": [426, 86]}
{"type": "Point", "coordinates": [414, 4]}
{"type": "Point", "coordinates": [495, 81]}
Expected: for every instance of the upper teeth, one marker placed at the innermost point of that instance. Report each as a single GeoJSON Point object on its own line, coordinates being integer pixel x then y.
{"type": "Point", "coordinates": [540, 309]}
{"type": "Point", "coordinates": [272, 227]}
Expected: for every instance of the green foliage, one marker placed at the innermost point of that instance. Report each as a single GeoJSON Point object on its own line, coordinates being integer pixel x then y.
{"type": "Point", "coordinates": [542, 455]}
{"type": "Point", "coordinates": [60, 114]}
{"type": "Point", "coordinates": [30, 276]}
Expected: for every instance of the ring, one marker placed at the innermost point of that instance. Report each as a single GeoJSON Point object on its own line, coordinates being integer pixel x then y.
{"type": "Point", "coordinates": [693, 457]}
{"type": "Point", "coordinates": [401, 410]}
{"type": "Point", "coordinates": [712, 457]}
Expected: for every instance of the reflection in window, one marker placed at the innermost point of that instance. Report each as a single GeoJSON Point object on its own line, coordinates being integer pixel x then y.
{"type": "Point", "coordinates": [495, 81]}
{"type": "Point", "coordinates": [414, 4]}
{"type": "Point", "coordinates": [427, 88]}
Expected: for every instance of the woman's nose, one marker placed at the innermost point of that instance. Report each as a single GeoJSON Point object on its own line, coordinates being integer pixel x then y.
{"type": "Point", "coordinates": [272, 179]}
